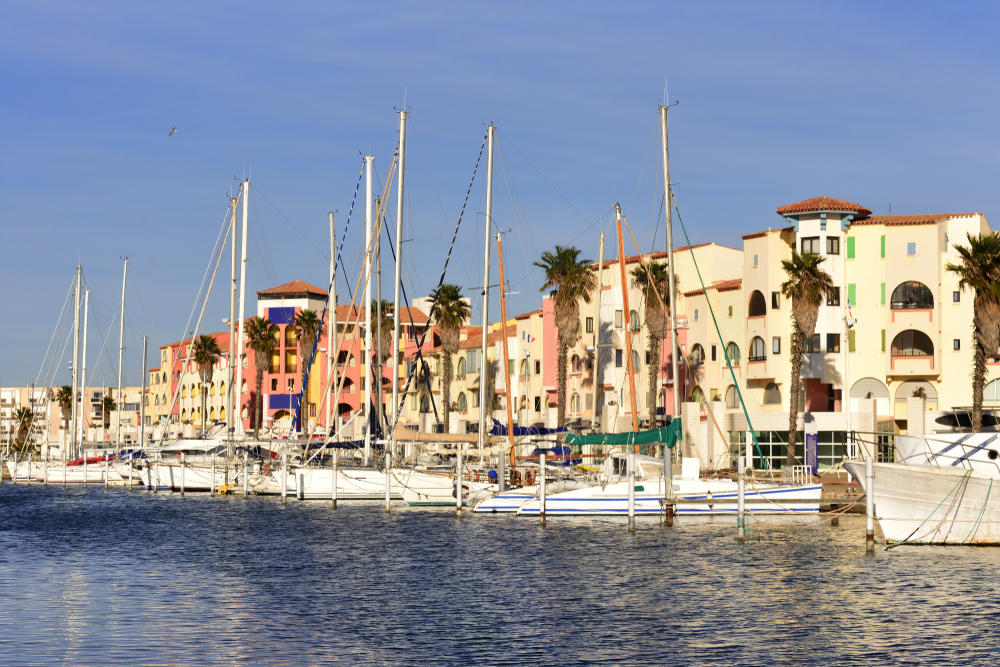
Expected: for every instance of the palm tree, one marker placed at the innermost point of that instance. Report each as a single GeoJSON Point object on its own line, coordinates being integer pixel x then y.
{"type": "Point", "coordinates": [107, 405]}
{"type": "Point", "coordinates": [569, 279]}
{"type": "Point", "coordinates": [381, 339]}
{"type": "Point", "coordinates": [205, 352]}
{"type": "Point", "coordinates": [262, 338]}
{"type": "Point", "coordinates": [64, 397]}
{"type": "Point", "coordinates": [449, 312]}
{"type": "Point", "coordinates": [807, 286]}
{"type": "Point", "coordinates": [22, 419]}
{"type": "Point", "coordinates": [654, 281]}
{"type": "Point", "coordinates": [306, 325]}
{"type": "Point", "coordinates": [979, 271]}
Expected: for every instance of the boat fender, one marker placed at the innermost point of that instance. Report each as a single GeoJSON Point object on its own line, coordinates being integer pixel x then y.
{"type": "Point", "coordinates": [475, 475]}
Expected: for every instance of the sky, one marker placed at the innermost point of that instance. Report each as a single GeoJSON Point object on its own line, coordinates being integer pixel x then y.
{"type": "Point", "coordinates": [887, 104]}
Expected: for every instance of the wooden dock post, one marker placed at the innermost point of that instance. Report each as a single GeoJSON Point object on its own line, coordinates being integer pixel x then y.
{"type": "Point", "coordinates": [333, 490]}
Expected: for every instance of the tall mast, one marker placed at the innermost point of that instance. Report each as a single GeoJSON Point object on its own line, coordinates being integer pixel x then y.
{"type": "Point", "coordinates": [594, 423]}
{"type": "Point", "coordinates": [396, 284]}
{"type": "Point", "coordinates": [142, 398]}
{"type": "Point", "coordinates": [667, 203]}
{"type": "Point", "coordinates": [628, 324]}
{"type": "Point", "coordinates": [121, 356]}
{"type": "Point", "coordinates": [83, 367]}
{"type": "Point", "coordinates": [76, 366]}
{"type": "Point", "coordinates": [368, 307]}
{"type": "Point", "coordinates": [331, 332]}
{"type": "Point", "coordinates": [379, 360]}
{"type": "Point", "coordinates": [233, 285]}
{"type": "Point", "coordinates": [506, 353]}
{"type": "Point", "coordinates": [238, 388]}
{"type": "Point", "coordinates": [483, 374]}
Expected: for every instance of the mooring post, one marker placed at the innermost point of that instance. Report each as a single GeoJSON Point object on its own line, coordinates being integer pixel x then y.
{"type": "Point", "coordinates": [869, 506]}
{"type": "Point", "coordinates": [45, 467]}
{"type": "Point", "coordinates": [211, 481]}
{"type": "Point", "coordinates": [458, 484]}
{"type": "Point", "coordinates": [84, 450]}
{"type": "Point", "coordinates": [834, 514]}
{"type": "Point", "coordinates": [107, 466]}
{"type": "Point", "coordinates": [182, 473]}
{"type": "Point", "coordinates": [741, 486]}
{"type": "Point", "coordinates": [246, 473]}
{"type": "Point", "coordinates": [151, 474]}
{"type": "Point", "coordinates": [541, 488]}
{"type": "Point", "coordinates": [631, 492]}
{"type": "Point", "coordinates": [284, 475]}
{"type": "Point", "coordinates": [669, 502]}
{"type": "Point", "coordinates": [131, 465]}
{"type": "Point", "coordinates": [333, 491]}
{"type": "Point", "coordinates": [300, 484]}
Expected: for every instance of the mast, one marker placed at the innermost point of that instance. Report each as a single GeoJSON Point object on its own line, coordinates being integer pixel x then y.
{"type": "Point", "coordinates": [83, 367]}
{"type": "Point", "coordinates": [368, 308]}
{"type": "Point", "coordinates": [483, 375]}
{"type": "Point", "coordinates": [594, 424]}
{"type": "Point", "coordinates": [628, 324]}
{"type": "Point", "coordinates": [398, 279]}
{"type": "Point", "coordinates": [233, 285]}
{"type": "Point", "coordinates": [142, 398]}
{"type": "Point", "coordinates": [506, 353]}
{"type": "Point", "coordinates": [331, 330]}
{"type": "Point", "coordinates": [379, 360]}
{"type": "Point", "coordinates": [121, 356]}
{"type": "Point", "coordinates": [668, 202]}
{"type": "Point", "coordinates": [238, 389]}
{"type": "Point", "coordinates": [76, 366]}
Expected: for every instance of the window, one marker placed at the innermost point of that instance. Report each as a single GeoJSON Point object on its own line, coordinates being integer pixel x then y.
{"type": "Point", "coordinates": [775, 300]}
{"type": "Point", "coordinates": [912, 343]}
{"type": "Point", "coordinates": [812, 344]}
{"type": "Point", "coordinates": [956, 344]}
{"type": "Point", "coordinates": [697, 355]}
{"type": "Point", "coordinates": [833, 297]}
{"type": "Point", "coordinates": [810, 244]}
{"type": "Point", "coordinates": [460, 372]}
{"type": "Point", "coordinates": [755, 261]}
{"type": "Point", "coordinates": [538, 404]}
{"type": "Point", "coordinates": [730, 311]}
{"type": "Point", "coordinates": [425, 403]}
{"type": "Point", "coordinates": [733, 350]}
{"type": "Point", "coordinates": [575, 365]}
{"type": "Point", "coordinates": [822, 223]}
{"type": "Point", "coordinates": [833, 342]}
{"type": "Point", "coordinates": [757, 306]}
{"type": "Point", "coordinates": [772, 395]}
{"type": "Point", "coordinates": [911, 294]}
{"type": "Point", "coordinates": [776, 345]}
{"type": "Point", "coordinates": [695, 314]}
{"type": "Point", "coordinates": [463, 402]}
{"type": "Point", "coordinates": [832, 245]}
{"type": "Point", "coordinates": [635, 360]}
{"type": "Point", "coordinates": [713, 353]}
{"type": "Point", "coordinates": [619, 319]}
{"type": "Point", "coordinates": [732, 401]}
{"type": "Point", "coordinates": [956, 296]}
{"type": "Point", "coordinates": [618, 358]}
{"type": "Point", "coordinates": [758, 352]}
{"type": "Point", "coordinates": [523, 369]}
{"type": "Point", "coordinates": [633, 320]}
{"type": "Point", "coordinates": [911, 248]}
{"type": "Point", "coordinates": [590, 325]}
{"type": "Point", "coordinates": [538, 367]}
{"type": "Point", "coordinates": [291, 384]}
{"type": "Point", "coordinates": [574, 403]}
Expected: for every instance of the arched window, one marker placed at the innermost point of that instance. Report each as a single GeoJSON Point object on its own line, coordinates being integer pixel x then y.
{"type": "Point", "coordinates": [348, 385]}
{"type": "Point", "coordinates": [991, 393]}
{"type": "Point", "coordinates": [460, 371]}
{"type": "Point", "coordinates": [145, 401]}
{"type": "Point", "coordinates": [574, 403]}
{"type": "Point", "coordinates": [243, 387]}
{"type": "Point", "coordinates": [697, 395]}
{"type": "Point", "coordinates": [245, 413]}
{"type": "Point", "coordinates": [574, 364]}
{"type": "Point", "coordinates": [633, 320]}
{"type": "Point", "coordinates": [463, 402]}
{"type": "Point", "coordinates": [291, 360]}
{"type": "Point", "coordinates": [222, 415]}
{"type": "Point", "coordinates": [733, 350]}
{"type": "Point", "coordinates": [222, 388]}
{"type": "Point", "coordinates": [425, 403]}
{"type": "Point", "coordinates": [184, 419]}
{"type": "Point", "coordinates": [697, 355]}
{"type": "Point", "coordinates": [184, 394]}
{"type": "Point", "coordinates": [758, 351]}
{"type": "Point", "coordinates": [635, 360]}
{"type": "Point", "coordinates": [758, 305]}
{"type": "Point", "coordinates": [213, 390]}
{"type": "Point", "coordinates": [156, 400]}
{"type": "Point", "coordinates": [524, 369]}
{"type": "Point", "coordinates": [772, 395]}
{"type": "Point", "coordinates": [912, 343]}
{"type": "Point", "coordinates": [291, 337]}
{"type": "Point", "coordinates": [211, 415]}
{"type": "Point", "coordinates": [732, 400]}
{"type": "Point", "coordinates": [911, 294]}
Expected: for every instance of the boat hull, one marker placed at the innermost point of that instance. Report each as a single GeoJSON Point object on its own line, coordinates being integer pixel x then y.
{"type": "Point", "coordinates": [426, 489]}
{"type": "Point", "coordinates": [916, 504]}
{"type": "Point", "coordinates": [352, 484]}
{"type": "Point", "coordinates": [509, 501]}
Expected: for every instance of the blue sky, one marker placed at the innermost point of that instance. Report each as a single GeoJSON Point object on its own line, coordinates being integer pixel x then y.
{"type": "Point", "coordinates": [878, 103]}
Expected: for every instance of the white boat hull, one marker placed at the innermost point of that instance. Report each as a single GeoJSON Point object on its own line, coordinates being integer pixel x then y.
{"type": "Point", "coordinates": [193, 478]}
{"type": "Point", "coordinates": [509, 501]}
{"type": "Point", "coordinates": [917, 504]}
{"type": "Point", "coordinates": [36, 471]}
{"type": "Point", "coordinates": [352, 484]}
{"type": "Point", "coordinates": [422, 488]}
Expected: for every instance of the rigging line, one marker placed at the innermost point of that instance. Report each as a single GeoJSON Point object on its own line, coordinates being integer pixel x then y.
{"type": "Point", "coordinates": [643, 169]}
{"type": "Point", "coordinates": [309, 239]}
{"type": "Point", "coordinates": [104, 343]}
{"type": "Point", "coordinates": [142, 300]}
{"type": "Point", "coordinates": [343, 237]}
{"type": "Point", "coordinates": [518, 224]}
{"type": "Point", "coordinates": [56, 361]}
{"type": "Point", "coordinates": [656, 228]}
{"type": "Point", "coordinates": [260, 244]}
{"type": "Point", "coordinates": [52, 338]}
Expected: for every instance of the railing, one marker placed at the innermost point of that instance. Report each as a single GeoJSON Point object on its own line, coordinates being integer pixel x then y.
{"type": "Point", "coordinates": [796, 475]}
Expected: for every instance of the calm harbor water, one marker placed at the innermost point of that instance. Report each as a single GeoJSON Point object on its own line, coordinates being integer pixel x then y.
{"type": "Point", "coordinates": [95, 577]}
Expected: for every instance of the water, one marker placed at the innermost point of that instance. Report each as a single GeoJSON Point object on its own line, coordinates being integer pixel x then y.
{"type": "Point", "coordinates": [115, 578]}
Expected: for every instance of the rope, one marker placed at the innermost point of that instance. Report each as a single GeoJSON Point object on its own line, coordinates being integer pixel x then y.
{"type": "Point", "coordinates": [964, 478]}
{"type": "Point", "coordinates": [981, 510]}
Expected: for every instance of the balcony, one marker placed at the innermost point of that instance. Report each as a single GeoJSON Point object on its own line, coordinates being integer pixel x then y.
{"type": "Point", "coordinates": [909, 366]}
{"type": "Point", "coordinates": [759, 369]}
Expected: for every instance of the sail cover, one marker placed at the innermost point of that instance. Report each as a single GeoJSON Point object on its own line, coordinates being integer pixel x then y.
{"type": "Point", "coordinates": [500, 429]}
{"type": "Point", "coordinates": [667, 434]}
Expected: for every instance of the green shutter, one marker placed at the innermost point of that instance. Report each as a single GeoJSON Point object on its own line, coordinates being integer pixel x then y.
{"type": "Point", "coordinates": [850, 247]}
{"type": "Point", "coordinates": [850, 340]}
{"type": "Point", "coordinates": [883, 340]}
{"type": "Point", "coordinates": [852, 296]}
{"type": "Point", "coordinates": [883, 294]}
{"type": "Point", "coordinates": [883, 246]}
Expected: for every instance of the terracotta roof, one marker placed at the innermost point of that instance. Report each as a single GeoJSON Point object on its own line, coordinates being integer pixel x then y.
{"type": "Point", "coordinates": [902, 220]}
{"type": "Point", "coordinates": [757, 235]}
{"type": "Point", "coordinates": [293, 288]}
{"type": "Point", "coordinates": [719, 286]}
{"type": "Point", "coordinates": [817, 204]}
{"type": "Point", "coordinates": [524, 316]}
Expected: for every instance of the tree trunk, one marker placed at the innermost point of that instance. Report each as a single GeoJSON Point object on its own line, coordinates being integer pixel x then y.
{"type": "Point", "coordinates": [446, 371]}
{"type": "Point", "coordinates": [653, 352]}
{"type": "Point", "coordinates": [561, 385]}
{"type": "Point", "coordinates": [303, 382]}
{"type": "Point", "coordinates": [978, 381]}
{"type": "Point", "coordinates": [795, 389]}
{"type": "Point", "coordinates": [204, 405]}
{"type": "Point", "coordinates": [258, 401]}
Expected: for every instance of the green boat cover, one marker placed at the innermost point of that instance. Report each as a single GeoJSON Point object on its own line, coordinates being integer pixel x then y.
{"type": "Point", "coordinates": [669, 434]}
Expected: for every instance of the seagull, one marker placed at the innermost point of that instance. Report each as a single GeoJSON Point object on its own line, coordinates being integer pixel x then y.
{"type": "Point", "coordinates": [172, 132]}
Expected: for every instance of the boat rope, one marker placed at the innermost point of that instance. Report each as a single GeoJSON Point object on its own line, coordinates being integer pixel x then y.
{"type": "Point", "coordinates": [975, 525]}
{"type": "Point", "coordinates": [964, 478]}
{"type": "Point", "coordinates": [718, 332]}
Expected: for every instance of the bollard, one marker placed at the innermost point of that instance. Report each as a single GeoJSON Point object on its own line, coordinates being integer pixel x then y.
{"type": "Point", "coordinates": [246, 473]}
{"type": "Point", "coordinates": [211, 480]}
{"type": "Point", "coordinates": [541, 489]}
{"type": "Point", "coordinates": [834, 516]}
{"type": "Point", "coordinates": [300, 485]}
{"type": "Point", "coordinates": [388, 463]}
{"type": "Point", "coordinates": [131, 463]}
{"type": "Point", "coordinates": [741, 500]}
{"type": "Point", "coordinates": [631, 492]}
{"type": "Point", "coordinates": [106, 475]}
{"type": "Point", "coordinates": [153, 475]}
{"type": "Point", "coordinates": [458, 484]}
{"type": "Point", "coordinates": [333, 490]}
{"type": "Point", "coordinates": [85, 470]}
{"type": "Point", "coordinates": [284, 476]}
{"type": "Point", "coordinates": [669, 503]}
{"type": "Point", "coordinates": [182, 473]}
{"type": "Point", "coordinates": [869, 506]}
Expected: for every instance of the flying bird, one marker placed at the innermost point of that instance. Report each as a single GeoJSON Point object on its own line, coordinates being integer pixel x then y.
{"type": "Point", "coordinates": [172, 132]}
